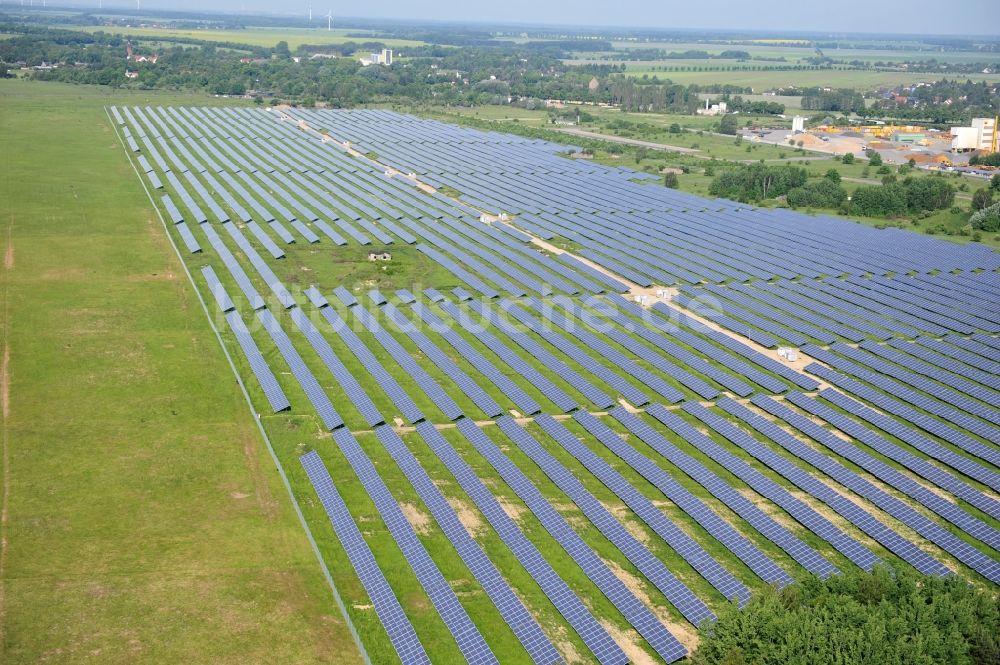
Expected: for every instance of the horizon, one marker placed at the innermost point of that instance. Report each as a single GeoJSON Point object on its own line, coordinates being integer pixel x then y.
{"type": "Point", "coordinates": [539, 15]}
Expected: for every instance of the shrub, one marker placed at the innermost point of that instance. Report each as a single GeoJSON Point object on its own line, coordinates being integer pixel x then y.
{"type": "Point", "coordinates": [857, 618]}
{"type": "Point", "coordinates": [848, 158]}
{"type": "Point", "coordinates": [982, 198]}
{"type": "Point", "coordinates": [987, 219]}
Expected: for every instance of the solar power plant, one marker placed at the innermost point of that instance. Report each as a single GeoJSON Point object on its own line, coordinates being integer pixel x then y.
{"type": "Point", "coordinates": [541, 410]}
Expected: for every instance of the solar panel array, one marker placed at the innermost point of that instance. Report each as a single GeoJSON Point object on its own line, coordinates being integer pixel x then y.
{"type": "Point", "coordinates": [390, 613]}
{"type": "Point", "coordinates": [890, 420]}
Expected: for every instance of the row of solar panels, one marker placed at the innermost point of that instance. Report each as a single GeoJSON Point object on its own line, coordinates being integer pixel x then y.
{"type": "Point", "coordinates": [565, 480]}
{"type": "Point", "coordinates": [825, 238]}
{"type": "Point", "coordinates": [471, 240]}
{"type": "Point", "coordinates": [828, 311]}
{"type": "Point", "coordinates": [740, 250]}
{"type": "Point", "coordinates": [426, 346]}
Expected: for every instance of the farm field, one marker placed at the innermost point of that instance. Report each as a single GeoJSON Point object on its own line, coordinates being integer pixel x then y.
{"type": "Point", "coordinates": [265, 37]}
{"type": "Point", "coordinates": [769, 79]}
{"type": "Point", "coordinates": [143, 517]}
{"type": "Point", "coordinates": [776, 49]}
{"type": "Point", "coordinates": [539, 409]}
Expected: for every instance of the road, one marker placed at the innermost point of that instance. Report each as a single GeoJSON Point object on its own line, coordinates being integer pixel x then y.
{"type": "Point", "coordinates": [583, 133]}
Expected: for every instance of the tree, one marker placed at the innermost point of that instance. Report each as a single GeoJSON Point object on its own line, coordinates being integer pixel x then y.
{"type": "Point", "coordinates": [987, 219]}
{"type": "Point", "coordinates": [995, 182]}
{"type": "Point", "coordinates": [728, 125]}
{"type": "Point", "coordinates": [887, 200]}
{"type": "Point", "coordinates": [982, 198]}
{"type": "Point", "coordinates": [928, 194]}
{"type": "Point", "coordinates": [888, 617]}
{"type": "Point", "coordinates": [824, 193]}
{"type": "Point", "coordinates": [833, 175]}
{"type": "Point", "coordinates": [848, 158]}
{"type": "Point", "coordinates": [756, 182]}
{"type": "Point", "coordinates": [874, 158]}
{"type": "Point", "coordinates": [670, 180]}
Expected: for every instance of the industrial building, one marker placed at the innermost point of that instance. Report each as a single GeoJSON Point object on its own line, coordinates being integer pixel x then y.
{"type": "Point", "coordinates": [383, 58]}
{"type": "Point", "coordinates": [981, 135]}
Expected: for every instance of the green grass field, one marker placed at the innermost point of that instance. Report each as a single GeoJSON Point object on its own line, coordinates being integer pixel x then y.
{"type": "Point", "coordinates": [143, 517]}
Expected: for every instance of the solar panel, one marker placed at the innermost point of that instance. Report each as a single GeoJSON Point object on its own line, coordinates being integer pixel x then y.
{"type": "Point", "coordinates": [385, 381]}
{"type": "Point", "coordinates": [551, 362]}
{"type": "Point", "coordinates": [218, 290]}
{"type": "Point", "coordinates": [466, 384]}
{"type": "Point", "coordinates": [593, 634]}
{"type": "Point", "coordinates": [235, 269]}
{"type": "Point", "coordinates": [433, 295]}
{"type": "Point", "coordinates": [855, 514]}
{"type": "Point", "coordinates": [634, 611]}
{"type": "Point", "coordinates": [397, 626]}
{"type": "Point", "coordinates": [317, 397]}
{"type": "Point", "coordinates": [951, 512]}
{"type": "Point", "coordinates": [470, 640]}
{"type": "Point", "coordinates": [756, 560]}
{"type": "Point", "coordinates": [175, 215]}
{"type": "Point", "coordinates": [318, 300]}
{"type": "Point", "coordinates": [616, 381]}
{"type": "Point", "coordinates": [345, 296]}
{"type": "Point", "coordinates": [355, 393]}
{"type": "Point", "coordinates": [524, 402]}
{"type": "Point", "coordinates": [683, 544]}
{"type": "Point", "coordinates": [936, 427]}
{"type": "Point", "coordinates": [189, 240]}
{"type": "Point", "coordinates": [506, 601]}
{"type": "Point", "coordinates": [913, 438]}
{"type": "Point", "coordinates": [679, 595]}
{"type": "Point", "coordinates": [265, 377]}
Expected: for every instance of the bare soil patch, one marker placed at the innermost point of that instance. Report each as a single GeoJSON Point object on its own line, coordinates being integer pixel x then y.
{"type": "Point", "coordinates": [417, 518]}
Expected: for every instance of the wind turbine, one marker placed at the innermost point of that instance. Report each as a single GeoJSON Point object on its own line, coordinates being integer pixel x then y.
{"type": "Point", "coordinates": [329, 20]}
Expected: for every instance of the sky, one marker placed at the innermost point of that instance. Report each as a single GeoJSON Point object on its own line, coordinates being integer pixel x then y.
{"type": "Point", "coordinates": [958, 17]}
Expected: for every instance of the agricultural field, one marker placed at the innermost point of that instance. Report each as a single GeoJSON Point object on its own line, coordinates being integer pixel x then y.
{"type": "Point", "coordinates": [564, 389]}
{"type": "Point", "coordinates": [265, 37]}
{"type": "Point", "coordinates": [709, 72]}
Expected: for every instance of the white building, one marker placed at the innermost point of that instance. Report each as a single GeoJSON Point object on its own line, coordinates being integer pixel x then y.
{"type": "Point", "coordinates": [383, 58]}
{"type": "Point", "coordinates": [982, 135]}
{"type": "Point", "coordinates": [798, 124]}
{"type": "Point", "coordinates": [715, 109]}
